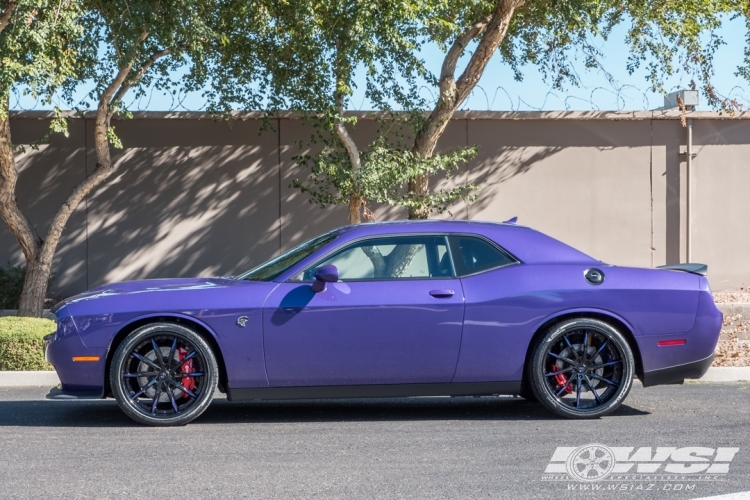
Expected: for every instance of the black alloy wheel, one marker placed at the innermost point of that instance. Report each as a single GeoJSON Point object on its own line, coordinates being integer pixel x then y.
{"type": "Point", "coordinates": [164, 374]}
{"type": "Point", "coordinates": [582, 368]}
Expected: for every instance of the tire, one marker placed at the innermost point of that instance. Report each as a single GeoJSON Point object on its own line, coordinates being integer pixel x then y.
{"type": "Point", "coordinates": [577, 382]}
{"type": "Point", "coordinates": [163, 395]}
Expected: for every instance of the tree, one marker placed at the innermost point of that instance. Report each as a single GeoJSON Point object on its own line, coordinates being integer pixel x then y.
{"type": "Point", "coordinates": [122, 46]}
{"type": "Point", "coordinates": [311, 51]}
{"type": "Point", "coordinates": [385, 169]}
{"type": "Point", "coordinates": [320, 45]}
{"type": "Point", "coordinates": [35, 52]}
{"type": "Point", "coordinates": [666, 37]}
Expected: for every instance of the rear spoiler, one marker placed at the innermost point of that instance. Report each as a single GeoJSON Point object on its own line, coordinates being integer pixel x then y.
{"type": "Point", "coordinates": [701, 269]}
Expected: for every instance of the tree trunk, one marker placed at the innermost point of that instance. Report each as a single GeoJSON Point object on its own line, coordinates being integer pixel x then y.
{"type": "Point", "coordinates": [454, 92]}
{"type": "Point", "coordinates": [35, 284]}
{"type": "Point", "coordinates": [420, 186]}
{"type": "Point", "coordinates": [355, 202]}
{"type": "Point", "coordinates": [34, 289]}
{"type": "Point", "coordinates": [39, 253]}
{"type": "Point", "coordinates": [7, 13]}
{"type": "Point", "coordinates": [392, 265]}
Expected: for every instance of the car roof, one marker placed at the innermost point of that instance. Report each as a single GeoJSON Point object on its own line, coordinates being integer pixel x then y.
{"type": "Point", "coordinates": [525, 243]}
{"type": "Point", "coordinates": [430, 225]}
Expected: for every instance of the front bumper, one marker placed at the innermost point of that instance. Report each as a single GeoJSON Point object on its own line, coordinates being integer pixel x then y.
{"type": "Point", "coordinates": [60, 349]}
{"type": "Point", "coordinates": [677, 374]}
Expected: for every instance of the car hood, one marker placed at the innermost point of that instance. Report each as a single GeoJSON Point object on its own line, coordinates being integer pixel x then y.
{"type": "Point", "coordinates": [151, 286]}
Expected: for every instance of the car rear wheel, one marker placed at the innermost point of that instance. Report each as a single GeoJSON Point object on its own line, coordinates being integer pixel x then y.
{"type": "Point", "coordinates": [164, 374]}
{"type": "Point", "coordinates": [582, 368]}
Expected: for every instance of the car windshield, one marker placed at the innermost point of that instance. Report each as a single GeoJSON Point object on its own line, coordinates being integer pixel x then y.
{"type": "Point", "coordinates": [274, 267]}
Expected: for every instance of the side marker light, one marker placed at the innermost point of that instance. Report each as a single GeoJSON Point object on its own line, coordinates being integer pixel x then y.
{"type": "Point", "coordinates": [666, 343]}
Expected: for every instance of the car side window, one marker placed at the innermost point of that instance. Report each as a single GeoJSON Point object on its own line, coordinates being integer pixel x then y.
{"type": "Point", "coordinates": [474, 255]}
{"type": "Point", "coordinates": [395, 257]}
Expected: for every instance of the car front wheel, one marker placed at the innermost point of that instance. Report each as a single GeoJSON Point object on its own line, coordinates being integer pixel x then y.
{"type": "Point", "coordinates": [164, 374]}
{"type": "Point", "coordinates": [582, 368]}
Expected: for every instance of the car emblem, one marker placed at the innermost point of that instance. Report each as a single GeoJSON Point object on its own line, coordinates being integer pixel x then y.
{"type": "Point", "coordinates": [242, 321]}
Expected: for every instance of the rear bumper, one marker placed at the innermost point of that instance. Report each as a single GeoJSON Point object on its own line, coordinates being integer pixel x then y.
{"type": "Point", "coordinates": [676, 374]}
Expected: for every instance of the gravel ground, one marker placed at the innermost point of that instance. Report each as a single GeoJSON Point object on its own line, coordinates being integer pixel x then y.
{"type": "Point", "coordinates": [741, 296]}
{"type": "Point", "coordinates": [419, 448]}
{"type": "Point", "coordinates": [733, 348]}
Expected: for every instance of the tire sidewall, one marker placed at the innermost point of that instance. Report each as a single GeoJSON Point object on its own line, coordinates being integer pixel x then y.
{"type": "Point", "coordinates": [553, 335]}
{"type": "Point", "coordinates": [136, 337]}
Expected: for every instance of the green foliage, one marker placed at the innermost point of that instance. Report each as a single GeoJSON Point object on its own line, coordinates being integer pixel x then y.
{"type": "Point", "coordinates": [153, 42]}
{"type": "Point", "coordinates": [21, 345]}
{"type": "Point", "coordinates": [301, 55]}
{"type": "Point", "coordinates": [35, 47]}
{"type": "Point", "coordinates": [667, 38]}
{"type": "Point", "coordinates": [383, 176]}
{"type": "Point", "coordinates": [11, 286]}
{"type": "Point", "coordinates": [309, 52]}
{"type": "Point", "coordinates": [113, 138]}
{"type": "Point", "coordinates": [313, 48]}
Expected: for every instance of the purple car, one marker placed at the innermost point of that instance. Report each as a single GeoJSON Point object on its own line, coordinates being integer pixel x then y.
{"type": "Point", "coordinates": [418, 308]}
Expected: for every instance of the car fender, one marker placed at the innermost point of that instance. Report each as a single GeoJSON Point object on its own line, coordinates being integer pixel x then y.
{"type": "Point", "coordinates": [578, 311]}
{"type": "Point", "coordinates": [152, 315]}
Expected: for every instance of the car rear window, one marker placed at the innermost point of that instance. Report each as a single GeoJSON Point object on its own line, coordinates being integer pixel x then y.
{"type": "Point", "coordinates": [473, 255]}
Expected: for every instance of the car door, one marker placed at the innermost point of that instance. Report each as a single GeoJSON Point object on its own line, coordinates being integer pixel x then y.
{"type": "Point", "coordinates": [497, 323]}
{"type": "Point", "coordinates": [394, 317]}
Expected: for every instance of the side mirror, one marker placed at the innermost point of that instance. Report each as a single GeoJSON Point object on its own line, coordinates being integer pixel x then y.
{"type": "Point", "coordinates": [323, 275]}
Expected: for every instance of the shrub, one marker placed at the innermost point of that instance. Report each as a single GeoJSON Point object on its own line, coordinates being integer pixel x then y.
{"type": "Point", "coordinates": [21, 345]}
{"type": "Point", "coordinates": [11, 285]}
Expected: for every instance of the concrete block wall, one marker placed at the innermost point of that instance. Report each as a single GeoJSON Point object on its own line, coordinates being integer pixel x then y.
{"type": "Point", "coordinates": [193, 196]}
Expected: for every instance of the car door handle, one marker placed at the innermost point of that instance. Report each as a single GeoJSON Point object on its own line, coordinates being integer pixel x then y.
{"type": "Point", "coordinates": [441, 293]}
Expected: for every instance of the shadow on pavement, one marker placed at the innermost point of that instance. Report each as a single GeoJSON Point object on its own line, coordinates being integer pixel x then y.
{"type": "Point", "coordinates": [106, 413]}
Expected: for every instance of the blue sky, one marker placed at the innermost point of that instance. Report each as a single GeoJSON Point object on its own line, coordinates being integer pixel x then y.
{"type": "Point", "coordinates": [497, 90]}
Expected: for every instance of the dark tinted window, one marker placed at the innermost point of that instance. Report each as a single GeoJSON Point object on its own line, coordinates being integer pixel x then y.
{"type": "Point", "coordinates": [474, 255]}
{"type": "Point", "coordinates": [397, 257]}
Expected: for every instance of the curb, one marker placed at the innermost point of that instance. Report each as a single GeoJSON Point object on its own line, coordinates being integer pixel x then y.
{"type": "Point", "coordinates": [726, 374]}
{"type": "Point", "coordinates": [47, 314]}
{"type": "Point", "coordinates": [29, 379]}
{"type": "Point", "coordinates": [50, 379]}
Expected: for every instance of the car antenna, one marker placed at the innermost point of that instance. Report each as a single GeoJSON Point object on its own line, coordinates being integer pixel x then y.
{"type": "Point", "coordinates": [512, 220]}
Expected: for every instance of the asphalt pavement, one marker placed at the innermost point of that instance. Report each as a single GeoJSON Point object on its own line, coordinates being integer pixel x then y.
{"type": "Point", "coordinates": [420, 448]}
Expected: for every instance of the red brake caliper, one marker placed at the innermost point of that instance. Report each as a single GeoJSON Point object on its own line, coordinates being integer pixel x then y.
{"type": "Point", "coordinates": [561, 380]}
{"type": "Point", "coordinates": [187, 382]}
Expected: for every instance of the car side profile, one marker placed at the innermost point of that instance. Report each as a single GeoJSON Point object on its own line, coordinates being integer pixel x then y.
{"type": "Point", "coordinates": [396, 309]}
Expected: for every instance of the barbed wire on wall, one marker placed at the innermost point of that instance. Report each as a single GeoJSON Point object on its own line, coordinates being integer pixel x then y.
{"type": "Point", "coordinates": [23, 101]}
{"type": "Point", "coordinates": [616, 98]}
